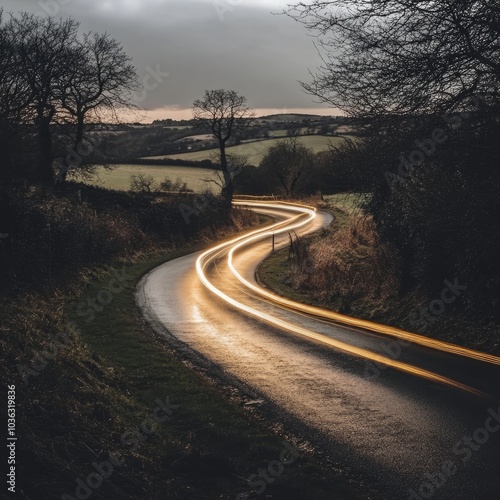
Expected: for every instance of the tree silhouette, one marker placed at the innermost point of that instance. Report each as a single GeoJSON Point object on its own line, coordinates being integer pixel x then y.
{"type": "Point", "coordinates": [102, 81]}
{"type": "Point", "coordinates": [425, 75]}
{"type": "Point", "coordinates": [401, 56]}
{"type": "Point", "coordinates": [49, 75]}
{"type": "Point", "coordinates": [44, 47]}
{"type": "Point", "coordinates": [286, 161]}
{"type": "Point", "coordinates": [224, 113]}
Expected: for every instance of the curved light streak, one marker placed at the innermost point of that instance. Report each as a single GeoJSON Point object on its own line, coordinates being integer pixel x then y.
{"type": "Point", "coordinates": [338, 318]}
{"type": "Point", "coordinates": [206, 257]}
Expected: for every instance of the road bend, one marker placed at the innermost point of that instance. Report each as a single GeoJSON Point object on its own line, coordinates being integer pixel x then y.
{"type": "Point", "coordinates": [403, 415]}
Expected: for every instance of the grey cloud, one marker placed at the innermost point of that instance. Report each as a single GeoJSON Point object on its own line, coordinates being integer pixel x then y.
{"type": "Point", "coordinates": [259, 54]}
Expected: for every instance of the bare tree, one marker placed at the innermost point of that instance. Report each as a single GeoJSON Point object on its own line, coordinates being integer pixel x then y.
{"type": "Point", "coordinates": [293, 132]}
{"type": "Point", "coordinates": [235, 165]}
{"type": "Point", "coordinates": [102, 81]}
{"type": "Point", "coordinates": [14, 92]}
{"type": "Point", "coordinates": [45, 55]}
{"type": "Point", "coordinates": [286, 161]}
{"type": "Point", "coordinates": [401, 56]}
{"type": "Point", "coordinates": [424, 65]}
{"type": "Point", "coordinates": [143, 183]}
{"type": "Point", "coordinates": [224, 113]}
{"type": "Point", "coordinates": [15, 96]}
{"type": "Point", "coordinates": [49, 76]}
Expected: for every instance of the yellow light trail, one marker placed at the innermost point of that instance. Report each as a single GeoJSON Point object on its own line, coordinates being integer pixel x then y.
{"type": "Point", "coordinates": [206, 257]}
{"type": "Point", "coordinates": [355, 322]}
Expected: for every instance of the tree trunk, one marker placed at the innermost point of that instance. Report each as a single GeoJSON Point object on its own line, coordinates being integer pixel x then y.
{"type": "Point", "coordinates": [228, 187]}
{"type": "Point", "coordinates": [294, 183]}
{"type": "Point", "coordinates": [79, 129]}
{"type": "Point", "coordinates": [45, 173]}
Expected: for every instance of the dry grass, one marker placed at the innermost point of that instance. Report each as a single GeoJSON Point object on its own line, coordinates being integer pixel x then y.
{"type": "Point", "coordinates": [347, 268]}
{"type": "Point", "coordinates": [53, 236]}
{"type": "Point", "coordinates": [66, 411]}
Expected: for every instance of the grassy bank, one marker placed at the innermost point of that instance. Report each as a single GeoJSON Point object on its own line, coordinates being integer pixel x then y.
{"type": "Point", "coordinates": [49, 236]}
{"type": "Point", "coordinates": [346, 268]}
{"type": "Point", "coordinates": [91, 394]}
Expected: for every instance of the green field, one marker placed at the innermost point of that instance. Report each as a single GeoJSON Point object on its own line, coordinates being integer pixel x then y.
{"type": "Point", "coordinates": [119, 177]}
{"type": "Point", "coordinates": [255, 151]}
{"type": "Point", "coordinates": [349, 203]}
{"type": "Point", "coordinates": [283, 133]}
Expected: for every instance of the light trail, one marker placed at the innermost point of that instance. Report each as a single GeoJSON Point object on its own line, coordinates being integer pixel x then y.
{"type": "Point", "coordinates": [288, 225]}
{"type": "Point", "coordinates": [338, 318]}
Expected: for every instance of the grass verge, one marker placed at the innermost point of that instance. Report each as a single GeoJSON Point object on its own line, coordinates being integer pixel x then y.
{"type": "Point", "coordinates": [212, 443]}
{"type": "Point", "coordinates": [274, 272]}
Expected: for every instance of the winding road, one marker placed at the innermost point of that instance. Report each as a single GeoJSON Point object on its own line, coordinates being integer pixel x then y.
{"type": "Point", "coordinates": [403, 416]}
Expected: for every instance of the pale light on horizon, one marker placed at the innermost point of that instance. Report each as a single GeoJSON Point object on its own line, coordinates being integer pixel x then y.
{"type": "Point", "coordinates": [176, 113]}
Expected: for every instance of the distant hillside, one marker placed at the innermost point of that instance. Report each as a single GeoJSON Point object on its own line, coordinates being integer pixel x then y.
{"type": "Point", "coordinates": [255, 150]}
{"type": "Point", "coordinates": [290, 117]}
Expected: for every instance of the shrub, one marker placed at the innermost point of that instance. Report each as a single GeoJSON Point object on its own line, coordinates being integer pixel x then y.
{"type": "Point", "coordinates": [178, 186]}
{"type": "Point", "coordinates": [52, 236]}
{"type": "Point", "coordinates": [142, 183]}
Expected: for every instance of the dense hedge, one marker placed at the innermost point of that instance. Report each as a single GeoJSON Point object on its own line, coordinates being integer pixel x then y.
{"type": "Point", "coordinates": [433, 189]}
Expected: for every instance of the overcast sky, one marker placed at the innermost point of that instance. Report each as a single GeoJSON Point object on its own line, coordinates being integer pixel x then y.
{"type": "Point", "coordinates": [202, 44]}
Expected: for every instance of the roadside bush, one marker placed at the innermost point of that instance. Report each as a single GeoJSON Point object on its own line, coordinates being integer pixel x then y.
{"type": "Point", "coordinates": [47, 236]}
{"type": "Point", "coordinates": [252, 181]}
{"type": "Point", "coordinates": [142, 183]}
{"type": "Point", "coordinates": [178, 185]}
{"type": "Point", "coordinates": [346, 269]}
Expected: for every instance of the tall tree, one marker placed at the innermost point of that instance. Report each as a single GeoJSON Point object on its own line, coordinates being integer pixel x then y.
{"type": "Point", "coordinates": [15, 97]}
{"type": "Point", "coordinates": [48, 76]}
{"type": "Point", "coordinates": [45, 48]}
{"type": "Point", "coordinates": [224, 113]}
{"type": "Point", "coordinates": [401, 56]}
{"type": "Point", "coordinates": [102, 81]}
